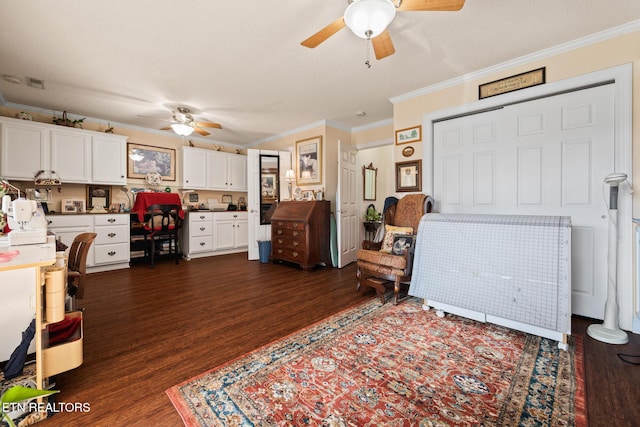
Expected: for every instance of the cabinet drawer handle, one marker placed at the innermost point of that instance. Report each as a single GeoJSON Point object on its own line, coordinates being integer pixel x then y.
{"type": "Point", "coordinates": [202, 228]}
{"type": "Point", "coordinates": [295, 243]}
{"type": "Point", "coordinates": [202, 243]}
{"type": "Point", "coordinates": [295, 254]}
{"type": "Point", "coordinates": [112, 253]}
{"type": "Point", "coordinates": [112, 220]}
{"type": "Point", "coordinates": [202, 217]}
{"type": "Point", "coordinates": [280, 241]}
{"type": "Point", "coordinates": [280, 223]}
{"type": "Point", "coordinates": [279, 251]}
{"type": "Point", "coordinates": [295, 233]}
{"type": "Point", "coordinates": [279, 231]}
{"type": "Point", "coordinates": [111, 234]}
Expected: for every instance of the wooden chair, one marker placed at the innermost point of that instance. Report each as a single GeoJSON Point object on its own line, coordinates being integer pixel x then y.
{"type": "Point", "coordinates": [162, 227]}
{"type": "Point", "coordinates": [379, 269]}
{"type": "Point", "coordinates": [77, 266]}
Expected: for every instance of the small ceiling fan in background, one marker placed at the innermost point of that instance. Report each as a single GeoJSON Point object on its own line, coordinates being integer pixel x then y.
{"type": "Point", "coordinates": [184, 124]}
{"type": "Point", "coordinates": [369, 20]}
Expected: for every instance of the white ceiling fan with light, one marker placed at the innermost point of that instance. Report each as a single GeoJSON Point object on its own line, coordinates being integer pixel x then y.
{"type": "Point", "coordinates": [369, 19]}
{"type": "Point", "coordinates": [184, 124]}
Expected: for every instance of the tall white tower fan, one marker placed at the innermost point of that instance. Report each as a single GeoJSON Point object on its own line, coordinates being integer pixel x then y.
{"type": "Point", "coordinates": [609, 331]}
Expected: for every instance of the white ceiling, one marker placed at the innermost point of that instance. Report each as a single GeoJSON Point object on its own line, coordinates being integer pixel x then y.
{"type": "Point", "coordinates": [240, 63]}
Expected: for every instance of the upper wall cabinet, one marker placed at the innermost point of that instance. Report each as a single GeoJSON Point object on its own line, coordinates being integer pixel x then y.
{"type": "Point", "coordinates": [29, 151]}
{"type": "Point", "coordinates": [213, 170]}
{"type": "Point", "coordinates": [76, 155]}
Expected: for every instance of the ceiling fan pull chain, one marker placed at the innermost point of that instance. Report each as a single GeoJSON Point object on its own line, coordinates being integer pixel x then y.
{"type": "Point", "coordinates": [367, 61]}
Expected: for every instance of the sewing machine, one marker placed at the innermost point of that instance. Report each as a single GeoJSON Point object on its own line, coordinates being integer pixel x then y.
{"type": "Point", "coordinates": [26, 220]}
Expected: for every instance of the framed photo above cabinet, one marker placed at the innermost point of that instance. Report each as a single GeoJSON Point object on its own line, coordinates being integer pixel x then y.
{"type": "Point", "coordinates": [145, 159]}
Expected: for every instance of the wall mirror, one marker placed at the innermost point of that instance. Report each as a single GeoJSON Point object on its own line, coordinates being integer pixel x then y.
{"type": "Point", "coordinates": [370, 177]}
{"type": "Point", "coordinates": [269, 186]}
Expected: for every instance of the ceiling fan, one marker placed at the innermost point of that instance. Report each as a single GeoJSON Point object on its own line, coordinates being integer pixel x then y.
{"type": "Point", "coordinates": [369, 19]}
{"type": "Point", "coordinates": [184, 124]}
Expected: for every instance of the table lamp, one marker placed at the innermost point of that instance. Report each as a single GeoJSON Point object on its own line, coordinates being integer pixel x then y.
{"type": "Point", "coordinates": [289, 175]}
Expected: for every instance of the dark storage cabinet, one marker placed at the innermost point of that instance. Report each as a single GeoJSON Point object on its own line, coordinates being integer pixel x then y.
{"type": "Point", "coordinates": [300, 233]}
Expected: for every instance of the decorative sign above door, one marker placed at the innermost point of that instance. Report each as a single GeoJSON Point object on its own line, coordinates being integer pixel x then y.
{"type": "Point", "coordinates": [509, 84]}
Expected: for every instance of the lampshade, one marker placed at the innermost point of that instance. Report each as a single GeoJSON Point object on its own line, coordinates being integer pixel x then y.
{"type": "Point", "coordinates": [182, 129]}
{"type": "Point", "coordinates": [369, 18]}
{"type": "Point", "coordinates": [289, 174]}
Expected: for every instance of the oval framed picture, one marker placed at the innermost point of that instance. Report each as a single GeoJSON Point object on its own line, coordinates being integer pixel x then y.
{"type": "Point", "coordinates": [408, 151]}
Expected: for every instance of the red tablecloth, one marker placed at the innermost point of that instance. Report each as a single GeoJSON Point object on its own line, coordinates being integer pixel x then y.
{"type": "Point", "coordinates": [144, 200]}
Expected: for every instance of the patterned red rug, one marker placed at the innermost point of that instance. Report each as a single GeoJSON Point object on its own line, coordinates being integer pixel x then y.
{"type": "Point", "coordinates": [375, 365]}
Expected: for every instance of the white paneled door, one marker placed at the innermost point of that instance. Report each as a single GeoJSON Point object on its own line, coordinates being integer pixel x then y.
{"type": "Point", "coordinates": [543, 157]}
{"type": "Point", "coordinates": [347, 216]}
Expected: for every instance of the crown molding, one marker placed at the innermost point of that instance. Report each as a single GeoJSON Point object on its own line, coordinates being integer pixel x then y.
{"type": "Point", "coordinates": [611, 33]}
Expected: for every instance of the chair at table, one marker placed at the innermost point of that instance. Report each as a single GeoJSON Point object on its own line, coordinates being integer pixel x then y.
{"type": "Point", "coordinates": [77, 266]}
{"type": "Point", "coordinates": [378, 267]}
{"type": "Point", "coordinates": [162, 228]}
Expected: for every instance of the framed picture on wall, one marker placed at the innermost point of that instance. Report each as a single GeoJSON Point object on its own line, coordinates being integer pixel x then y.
{"type": "Point", "coordinates": [405, 136]}
{"type": "Point", "coordinates": [409, 176]}
{"type": "Point", "coordinates": [98, 196]}
{"type": "Point", "coordinates": [309, 159]}
{"type": "Point", "coordinates": [145, 159]}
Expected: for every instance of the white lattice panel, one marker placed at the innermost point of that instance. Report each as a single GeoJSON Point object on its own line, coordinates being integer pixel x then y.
{"type": "Point", "coordinates": [514, 267]}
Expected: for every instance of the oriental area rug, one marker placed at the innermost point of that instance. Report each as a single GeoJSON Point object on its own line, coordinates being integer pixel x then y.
{"type": "Point", "coordinates": [393, 365]}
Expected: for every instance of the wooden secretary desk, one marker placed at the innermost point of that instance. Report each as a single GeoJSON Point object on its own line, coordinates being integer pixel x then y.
{"type": "Point", "coordinates": [300, 233]}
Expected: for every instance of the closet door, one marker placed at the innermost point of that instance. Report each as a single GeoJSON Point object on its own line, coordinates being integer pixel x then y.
{"type": "Point", "coordinates": [543, 157]}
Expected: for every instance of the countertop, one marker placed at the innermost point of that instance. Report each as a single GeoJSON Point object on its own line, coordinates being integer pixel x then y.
{"type": "Point", "coordinates": [28, 256]}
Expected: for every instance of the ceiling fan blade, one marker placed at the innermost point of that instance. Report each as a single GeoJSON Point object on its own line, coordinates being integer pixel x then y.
{"type": "Point", "coordinates": [324, 33]}
{"type": "Point", "coordinates": [208, 125]}
{"type": "Point", "coordinates": [201, 131]}
{"type": "Point", "coordinates": [426, 5]}
{"type": "Point", "coordinates": [382, 45]}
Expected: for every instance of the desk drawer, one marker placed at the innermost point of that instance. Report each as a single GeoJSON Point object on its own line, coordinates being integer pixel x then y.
{"type": "Point", "coordinates": [289, 225]}
{"type": "Point", "coordinates": [200, 216]}
{"type": "Point", "coordinates": [109, 254]}
{"type": "Point", "coordinates": [111, 219]}
{"type": "Point", "coordinates": [112, 234]}
{"type": "Point", "coordinates": [70, 220]}
{"type": "Point", "coordinates": [200, 244]}
{"type": "Point", "coordinates": [201, 228]}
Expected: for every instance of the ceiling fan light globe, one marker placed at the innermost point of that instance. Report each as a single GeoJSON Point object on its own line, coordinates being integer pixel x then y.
{"type": "Point", "coordinates": [369, 18]}
{"type": "Point", "coordinates": [182, 129]}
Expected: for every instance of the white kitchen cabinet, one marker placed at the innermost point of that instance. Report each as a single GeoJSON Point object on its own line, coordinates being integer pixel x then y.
{"type": "Point", "coordinates": [197, 234]}
{"type": "Point", "coordinates": [71, 155]}
{"type": "Point", "coordinates": [76, 155]}
{"type": "Point", "coordinates": [237, 172]}
{"type": "Point", "coordinates": [213, 170]}
{"type": "Point", "coordinates": [230, 230]}
{"type": "Point", "coordinates": [227, 171]}
{"type": "Point", "coordinates": [207, 233]}
{"type": "Point", "coordinates": [194, 168]}
{"type": "Point", "coordinates": [110, 250]}
{"type": "Point", "coordinates": [24, 149]}
{"type": "Point", "coordinates": [112, 241]}
{"type": "Point", "coordinates": [108, 159]}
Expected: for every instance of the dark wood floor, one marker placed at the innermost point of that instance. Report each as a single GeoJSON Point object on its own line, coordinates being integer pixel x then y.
{"type": "Point", "coordinates": [147, 330]}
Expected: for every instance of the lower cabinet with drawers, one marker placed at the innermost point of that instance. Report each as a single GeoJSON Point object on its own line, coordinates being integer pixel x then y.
{"type": "Point", "coordinates": [214, 233]}
{"type": "Point", "coordinates": [300, 233]}
{"type": "Point", "coordinates": [110, 250]}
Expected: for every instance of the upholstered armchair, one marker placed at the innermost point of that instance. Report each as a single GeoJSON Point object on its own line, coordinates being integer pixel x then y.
{"type": "Point", "coordinates": [382, 263]}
